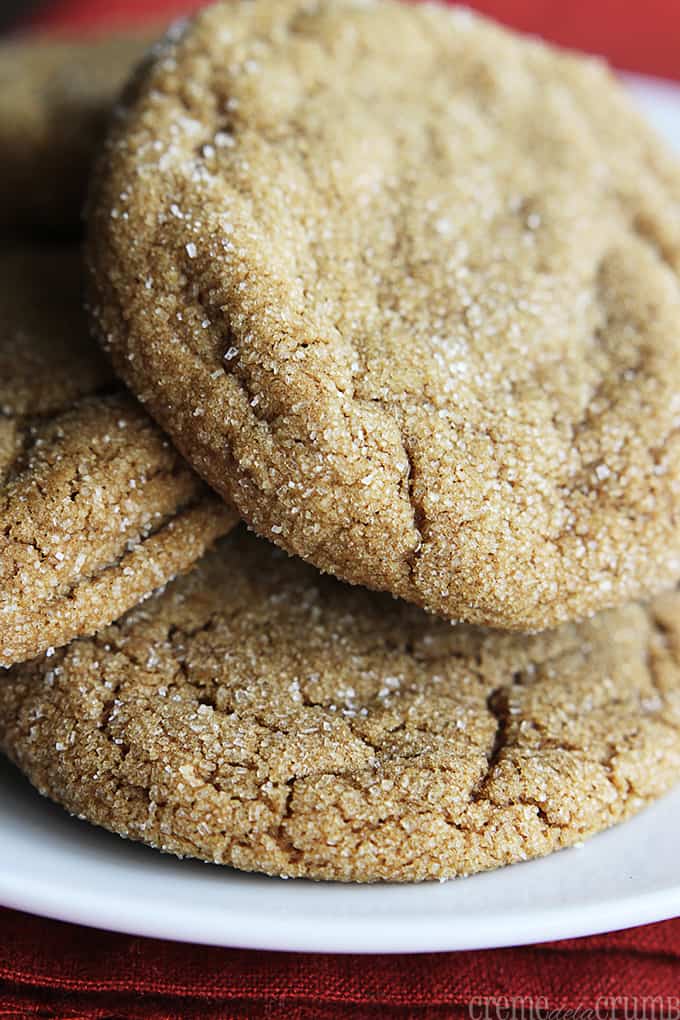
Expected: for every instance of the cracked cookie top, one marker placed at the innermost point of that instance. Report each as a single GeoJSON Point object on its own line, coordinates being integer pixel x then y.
{"type": "Point", "coordinates": [404, 287]}
{"type": "Point", "coordinates": [55, 101]}
{"type": "Point", "coordinates": [96, 507]}
{"type": "Point", "coordinates": [261, 715]}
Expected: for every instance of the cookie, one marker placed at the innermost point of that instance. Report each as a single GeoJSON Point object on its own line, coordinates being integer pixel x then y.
{"type": "Point", "coordinates": [420, 327]}
{"type": "Point", "coordinates": [55, 99]}
{"type": "Point", "coordinates": [261, 715]}
{"type": "Point", "coordinates": [97, 509]}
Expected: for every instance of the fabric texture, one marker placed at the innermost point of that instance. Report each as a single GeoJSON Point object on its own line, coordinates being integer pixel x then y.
{"type": "Point", "coordinates": [54, 970]}
{"type": "Point", "coordinates": [50, 969]}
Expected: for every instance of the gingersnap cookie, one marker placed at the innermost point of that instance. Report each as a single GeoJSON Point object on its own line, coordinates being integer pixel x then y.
{"type": "Point", "coordinates": [55, 100]}
{"type": "Point", "coordinates": [97, 509]}
{"type": "Point", "coordinates": [404, 287]}
{"type": "Point", "coordinates": [261, 715]}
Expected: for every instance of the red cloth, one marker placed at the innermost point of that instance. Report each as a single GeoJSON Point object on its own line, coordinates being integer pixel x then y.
{"type": "Point", "coordinates": [48, 969]}
{"type": "Point", "coordinates": [58, 970]}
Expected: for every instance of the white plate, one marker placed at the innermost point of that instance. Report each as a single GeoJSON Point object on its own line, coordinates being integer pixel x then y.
{"type": "Point", "coordinates": [53, 865]}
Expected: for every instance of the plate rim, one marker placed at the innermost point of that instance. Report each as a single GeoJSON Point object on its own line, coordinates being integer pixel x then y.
{"type": "Point", "coordinates": [340, 933]}
{"type": "Point", "coordinates": [346, 937]}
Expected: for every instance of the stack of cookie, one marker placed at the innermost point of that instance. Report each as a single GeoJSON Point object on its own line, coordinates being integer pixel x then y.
{"type": "Point", "coordinates": [402, 289]}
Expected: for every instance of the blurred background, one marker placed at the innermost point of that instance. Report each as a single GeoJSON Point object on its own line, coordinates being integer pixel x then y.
{"type": "Point", "coordinates": [636, 35]}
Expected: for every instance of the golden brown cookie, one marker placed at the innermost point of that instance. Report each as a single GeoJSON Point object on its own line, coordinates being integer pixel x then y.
{"type": "Point", "coordinates": [404, 287]}
{"type": "Point", "coordinates": [261, 715]}
{"type": "Point", "coordinates": [97, 509]}
{"type": "Point", "coordinates": [55, 99]}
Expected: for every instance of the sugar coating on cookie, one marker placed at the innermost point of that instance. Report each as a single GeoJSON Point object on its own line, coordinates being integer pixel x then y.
{"type": "Point", "coordinates": [261, 715]}
{"type": "Point", "coordinates": [404, 287]}
{"type": "Point", "coordinates": [97, 509]}
{"type": "Point", "coordinates": [56, 97]}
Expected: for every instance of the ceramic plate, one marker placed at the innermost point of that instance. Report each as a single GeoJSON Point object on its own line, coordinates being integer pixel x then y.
{"type": "Point", "coordinates": [54, 865]}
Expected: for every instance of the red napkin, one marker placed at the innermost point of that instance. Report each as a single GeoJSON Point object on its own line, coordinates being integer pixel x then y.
{"type": "Point", "coordinates": [59, 970]}
{"type": "Point", "coordinates": [54, 970]}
